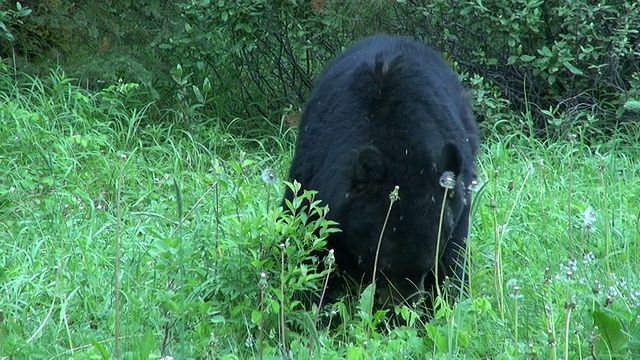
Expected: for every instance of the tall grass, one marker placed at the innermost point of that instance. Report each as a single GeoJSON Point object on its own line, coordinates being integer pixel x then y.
{"type": "Point", "coordinates": [202, 272]}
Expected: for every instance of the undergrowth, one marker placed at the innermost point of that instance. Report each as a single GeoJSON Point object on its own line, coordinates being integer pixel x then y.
{"type": "Point", "coordinates": [209, 267]}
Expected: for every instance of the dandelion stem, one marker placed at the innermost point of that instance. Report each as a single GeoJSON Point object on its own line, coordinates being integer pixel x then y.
{"type": "Point", "coordinates": [607, 235]}
{"type": "Point", "coordinates": [324, 289]}
{"type": "Point", "coordinates": [437, 255]}
{"type": "Point", "coordinates": [497, 250]}
{"type": "Point", "coordinates": [393, 197]}
{"type": "Point", "coordinates": [283, 326]}
{"type": "Point", "coordinates": [572, 138]}
{"type": "Point", "coordinates": [569, 306]}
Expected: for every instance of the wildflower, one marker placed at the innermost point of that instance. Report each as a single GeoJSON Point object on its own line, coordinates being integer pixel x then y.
{"type": "Point", "coordinates": [263, 280]}
{"type": "Point", "coordinates": [571, 266]}
{"type": "Point", "coordinates": [330, 259]}
{"type": "Point", "coordinates": [448, 180]}
{"type": "Point", "coordinates": [475, 185]}
{"type": "Point", "coordinates": [547, 275]}
{"type": "Point", "coordinates": [589, 257]}
{"type": "Point", "coordinates": [608, 301]}
{"type": "Point", "coordinates": [268, 176]}
{"type": "Point", "coordinates": [394, 196]}
{"type": "Point", "coordinates": [567, 270]}
{"type": "Point", "coordinates": [589, 219]}
{"type": "Point", "coordinates": [249, 341]}
{"type": "Point", "coordinates": [596, 288]}
{"type": "Point", "coordinates": [515, 289]}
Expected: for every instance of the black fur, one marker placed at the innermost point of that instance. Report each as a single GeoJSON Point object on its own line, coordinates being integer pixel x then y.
{"type": "Point", "coordinates": [388, 112]}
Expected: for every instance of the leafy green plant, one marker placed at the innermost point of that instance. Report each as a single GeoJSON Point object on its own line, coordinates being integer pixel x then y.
{"type": "Point", "coordinates": [9, 19]}
{"type": "Point", "coordinates": [542, 54]}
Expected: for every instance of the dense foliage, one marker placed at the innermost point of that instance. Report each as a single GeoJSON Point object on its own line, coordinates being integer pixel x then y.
{"type": "Point", "coordinates": [534, 66]}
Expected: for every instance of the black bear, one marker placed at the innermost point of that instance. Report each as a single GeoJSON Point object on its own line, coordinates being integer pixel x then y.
{"type": "Point", "coordinates": [389, 112]}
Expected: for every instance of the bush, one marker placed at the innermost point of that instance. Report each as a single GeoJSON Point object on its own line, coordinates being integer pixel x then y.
{"type": "Point", "coordinates": [581, 61]}
{"type": "Point", "coordinates": [561, 66]}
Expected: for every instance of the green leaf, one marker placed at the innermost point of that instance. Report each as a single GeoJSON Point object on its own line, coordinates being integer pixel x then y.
{"type": "Point", "coordinates": [366, 299]}
{"type": "Point", "coordinates": [438, 340]}
{"type": "Point", "coordinates": [633, 105]}
{"type": "Point", "coordinates": [355, 353]}
{"type": "Point", "coordinates": [527, 58]}
{"type": "Point", "coordinates": [198, 94]}
{"type": "Point", "coordinates": [574, 70]}
{"type": "Point", "coordinates": [612, 341]}
{"type": "Point", "coordinates": [256, 315]}
{"type": "Point", "coordinates": [206, 85]}
{"type": "Point", "coordinates": [545, 51]}
{"type": "Point", "coordinates": [101, 349]}
{"type": "Point", "coordinates": [218, 319]}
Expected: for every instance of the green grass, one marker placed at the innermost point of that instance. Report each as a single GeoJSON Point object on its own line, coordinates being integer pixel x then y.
{"type": "Point", "coordinates": [88, 187]}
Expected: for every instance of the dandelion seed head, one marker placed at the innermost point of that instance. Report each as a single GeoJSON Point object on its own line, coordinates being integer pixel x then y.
{"type": "Point", "coordinates": [512, 282]}
{"type": "Point", "coordinates": [570, 304]}
{"type": "Point", "coordinates": [448, 180]}
{"type": "Point", "coordinates": [569, 275]}
{"type": "Point", "coordinates": [330, 258]}
{"type": "Point", "coordinates": [589, 219]}
{"type": "Point", "coordinates": [608, 301]}
{"type": "Point", "coordinates": [547, 275]}
{"type": "Point", "coordinates": [262, 282]}
{"type": "Point", "coordinates": [589, 257]}
{"type": "Point", "coordinates": [571, 265]}
{"type": "Point", "coordinates": [395, 195]}
{"type": "Point", "coordinates": [268, 176]}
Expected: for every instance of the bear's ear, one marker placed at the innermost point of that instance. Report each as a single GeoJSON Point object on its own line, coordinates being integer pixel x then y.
{"type": "Point", "coordinates": [450, 159]}
{"type": "Point", "coordinates": [368, 171]}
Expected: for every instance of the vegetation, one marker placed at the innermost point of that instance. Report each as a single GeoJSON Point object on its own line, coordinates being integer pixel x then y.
{"type": "Point", "coordinates": [564, 65]}
{"type": "Point", "coordinates": [186, 221]}
{"type": "Point", "coordinates": [140, 196]}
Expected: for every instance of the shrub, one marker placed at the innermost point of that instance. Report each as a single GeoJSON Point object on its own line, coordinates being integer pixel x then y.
{"type": "Point", "coordinates": [581, 60]}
